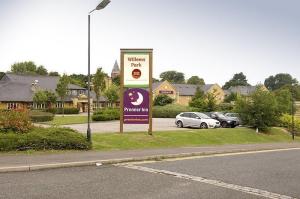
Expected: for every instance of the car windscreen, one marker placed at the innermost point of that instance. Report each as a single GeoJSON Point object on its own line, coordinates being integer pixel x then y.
{"type": "Point", "coordinates": [203, 116]}
{"type": "Point", "coordinates": [220, 115]}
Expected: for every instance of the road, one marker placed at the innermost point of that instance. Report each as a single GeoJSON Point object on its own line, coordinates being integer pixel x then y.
{"type": "Point", "coordinates": [159, 124]}
{"type": "Point", "coordinates": [246, 175]}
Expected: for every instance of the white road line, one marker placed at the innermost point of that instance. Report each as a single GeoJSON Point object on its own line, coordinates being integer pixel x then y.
{"type": "Point", "coordinates": [249, 190]}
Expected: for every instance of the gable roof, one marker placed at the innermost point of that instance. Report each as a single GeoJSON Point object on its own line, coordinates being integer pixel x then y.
{"type": "Point", "coordinates": [116, 67]}
{"type": "Point", "coordinates": [242, 90]}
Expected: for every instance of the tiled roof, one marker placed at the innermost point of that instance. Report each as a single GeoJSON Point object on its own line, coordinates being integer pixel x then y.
{"type": "Point", "coordinates": [242, 90]}
{"type": "Point", "coordinates": [15, 87]}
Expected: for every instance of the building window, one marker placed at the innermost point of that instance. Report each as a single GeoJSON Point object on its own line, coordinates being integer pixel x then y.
{"type": "Point", "coordinates": [39, 106]}
{"type": "Point", "coordinates": [59, 105]}
{"type": "Point", "coordinates": [74, 92]}
{"type": "Point", "coordinates": [12, 105]}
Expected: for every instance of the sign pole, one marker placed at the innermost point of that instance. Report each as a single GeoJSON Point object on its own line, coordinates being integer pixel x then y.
{"type": "Point", "coordinates": [122, 93]}
{"type": "Point", "coordinates": [150, 94]}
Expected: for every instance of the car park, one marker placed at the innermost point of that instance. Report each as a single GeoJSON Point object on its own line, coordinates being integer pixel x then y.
{"type": "Point", "coordinates": [195, 119]}
{"type": "Point", "coordinates": [225, 122]}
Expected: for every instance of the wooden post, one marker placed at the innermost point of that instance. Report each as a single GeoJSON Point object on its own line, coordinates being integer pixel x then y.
{"type": "Point", "coordinates": [122, 93]}
{"type": "Point", "coordinates": [150, 93]}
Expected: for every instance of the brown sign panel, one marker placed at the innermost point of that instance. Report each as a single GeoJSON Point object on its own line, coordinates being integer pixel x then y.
{"type": "Point", "coordinates": [165, 92]}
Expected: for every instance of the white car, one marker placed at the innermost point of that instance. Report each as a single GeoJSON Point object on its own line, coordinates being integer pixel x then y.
{"type": "Point", "coordinates": [195, 119]}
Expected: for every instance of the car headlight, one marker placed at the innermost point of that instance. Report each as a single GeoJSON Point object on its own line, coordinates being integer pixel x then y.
{"type": "Point", "coordinates": [229, 122]}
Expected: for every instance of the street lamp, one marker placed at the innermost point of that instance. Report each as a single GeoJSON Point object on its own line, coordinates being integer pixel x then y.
{"type": "Point", "coordinates": [100, 6]}
{"type": "Point", "coordinates": [293, 111]}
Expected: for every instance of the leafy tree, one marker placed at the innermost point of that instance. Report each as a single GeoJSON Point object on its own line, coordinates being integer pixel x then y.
{"type": "Point", "coordinates": [259, 110]}
{"type": "Point", "coordinates": [162, 100]}
{"type": "Point", "coordinates": [41, 70]}
{"type": "Point", "coordinates": [196, 80]}
{"type": "Point", "coordinates": [54, 73]}
{"type": "Point", "coordinates": [284, 100]}
{"type": "Point", "coordinates": [211, 102]}
{"type": "Point", "coordinates": [40, 97]}
{"type": "Point", "coordinates": [231, 97]}
{"type": "Point", "coordinates": [112, 94]}
{"type": "Point", "coordinates": [199, 100]}
{"type": "Point", "coordinates": [173, 77]}
{"type": "Point", "coordinates": [275, 82]}
{"type": "Point", "coordinates": [27, 67]}
{"type": "Point", "coordinates": [155, 80]}
{"type": "Point", "coordinates": [51, 98]}
{"type": "Point", "coordinates": [116, 81]}
{"type": "Point", "coordinates": [238, 79]}
{"type": "Point", "coordinates": [62, 88]}
{"type": "Point", "coordinates": [79, 79]}
{"type": "Point", "coordinates": [99, 83]}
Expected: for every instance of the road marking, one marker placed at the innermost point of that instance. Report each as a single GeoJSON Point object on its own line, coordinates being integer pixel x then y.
{"type": "Point", "coordinates": [249, 190]}
{"type": "Point", "coordinates": [215, 155]}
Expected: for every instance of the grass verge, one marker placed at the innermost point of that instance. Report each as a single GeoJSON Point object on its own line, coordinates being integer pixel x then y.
{"type": "Point", "coordinates": [65, 120]}
{"type": "Point", "coordinates": [193, 137]}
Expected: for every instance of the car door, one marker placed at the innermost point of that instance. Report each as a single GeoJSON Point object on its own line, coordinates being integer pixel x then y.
{"type": "Point", "coordinates": [194, 120]}
{"type": "Point", "coordinates": [185, 119]}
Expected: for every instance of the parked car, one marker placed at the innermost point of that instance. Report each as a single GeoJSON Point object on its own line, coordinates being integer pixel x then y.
{"type": "Point", "coordinates": [234, 116]}
{"type": "Point", "coordinates": [195, 119]}
{"type": "Point", "coordinates": [225, 122]}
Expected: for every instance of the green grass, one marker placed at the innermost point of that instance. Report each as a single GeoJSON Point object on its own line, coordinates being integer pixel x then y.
{"type": "Point", "coordinates": [64, 120]}
{"type": "Point", "coordinates": [198, 137]}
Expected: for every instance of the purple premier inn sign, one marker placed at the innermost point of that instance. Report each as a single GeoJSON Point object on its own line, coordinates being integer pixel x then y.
{"type": "Point", "coordinates": [136, 106]}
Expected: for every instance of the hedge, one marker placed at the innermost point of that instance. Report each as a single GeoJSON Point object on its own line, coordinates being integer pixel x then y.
{"type": "Point", "coordinates": [44, 139]}
{"type": "Point", "coordinates": [66, 110]}
{"type": "Point", "coordinates": [170, 110]}
{"type": "Point", "coordinates": [106, 114]}
{"type": "Point", "coordinates": [286, 121]}
{"type": "Point", "coordinates": [40, 116]}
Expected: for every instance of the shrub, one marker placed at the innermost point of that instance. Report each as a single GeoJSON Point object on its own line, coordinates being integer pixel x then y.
{"type": "Point", "coordinates": [170, 110]}
{"type": "Point", "coordinates": [66, 110]}
{"type": "Point", "coordinates": [225, 107]}
{"type": "Point", "coordinates": [40, 116]}
{"type": "Point", "coordinates": [286, 121]}
{"type": "Point", "coordinates": [162, 100]}
{"type": "Point", "coordinates": [44, 139]}
{"type": "Point", "coordinates": [106, 114]}
{"type": "Point", "coordinates": [15, 121]}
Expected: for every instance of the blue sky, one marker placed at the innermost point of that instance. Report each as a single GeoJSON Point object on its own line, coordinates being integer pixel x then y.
{"type": "Point", "coordinates": [210, 38]}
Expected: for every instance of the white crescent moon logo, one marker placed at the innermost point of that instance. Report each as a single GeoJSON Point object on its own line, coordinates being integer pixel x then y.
{"type": "Point", "coordinates": [139, 101]}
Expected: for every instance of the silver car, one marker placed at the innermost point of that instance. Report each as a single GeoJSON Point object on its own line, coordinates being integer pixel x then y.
{"type": "Point", "coordinates": [195, 119]}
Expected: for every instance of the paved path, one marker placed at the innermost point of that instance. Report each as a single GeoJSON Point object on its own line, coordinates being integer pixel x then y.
{"type": "Point", "coordinates": [159, 124]}
{"type": "Point", "coordinates": [272, 174]}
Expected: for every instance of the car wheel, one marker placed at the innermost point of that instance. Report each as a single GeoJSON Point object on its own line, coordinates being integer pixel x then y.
{"type": "Point", "coordinates": [203, 125]}
{"type": "Point", "coordinates": [224, 125]}
{"type": "Point", "coordinates": [179, 124]}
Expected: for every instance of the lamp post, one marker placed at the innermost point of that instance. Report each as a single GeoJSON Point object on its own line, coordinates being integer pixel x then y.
{"type": "Point", "coordinates": [293, 111]}
{"type": "Point", "coordinates": [100, 6]}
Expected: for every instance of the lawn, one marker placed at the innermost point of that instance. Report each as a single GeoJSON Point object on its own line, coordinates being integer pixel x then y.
{"type": "Point", "coordinates": [64, 120]}
{"type": "Point", "coordinates": [197, 137]}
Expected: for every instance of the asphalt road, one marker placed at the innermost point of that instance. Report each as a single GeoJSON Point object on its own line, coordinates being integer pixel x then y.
{"type": "Point", "coordinates": [259, 175]}
{"type": "Point", "coordinates": [159, 124]}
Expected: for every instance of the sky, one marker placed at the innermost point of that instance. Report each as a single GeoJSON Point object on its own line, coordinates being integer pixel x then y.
{"type": "Point", "coordinates": [213, 39]}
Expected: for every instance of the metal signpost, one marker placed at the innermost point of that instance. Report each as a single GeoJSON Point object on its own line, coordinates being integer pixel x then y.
{"type": "Point", "coordinates": [136, 87]}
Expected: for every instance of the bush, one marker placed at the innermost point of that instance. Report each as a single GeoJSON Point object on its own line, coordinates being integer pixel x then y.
{"type": "Point", "coordinates": [40, 116]}
{"type": "Point", "coordinates": [225, 107]}
{"type": "Point", "coordinates": [286, 121]}
{"type": "Point", "coordinates": [106, 114]}
{"type": "Point", "coordinates": [162, 100]}
{"type": "Point", "coordinates": [170, 110]}
{"type": "Point", "coordinates": [44, 139]}
{"type": "Point", "coordinates": [66, 110]}
{"type": "Point", "coordinates": [15, 121]}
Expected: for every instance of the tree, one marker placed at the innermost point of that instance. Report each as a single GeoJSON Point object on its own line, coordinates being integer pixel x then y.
{"type": "Point", "coordinates": [173, 77]}
{"type": "Point", "coordinates": [155, 80]}
{"type": "Point", "coordinates": [231, 97]}
{"type": "Point", "coordinates": [79, 79]}
{"type": "Point", "coordinates": [196, 80]}
{"type": "Point", "coordinates": [162, 100]}
{"type": "Point", "coordinates": [99, 83]}
{"type": "Point", "coordinates": [51, 98]}
{"type": "Point", "coordinates": [54, 73]}
{"type": "Point", "coordinates": [62, 88]}
{"type": "Point", "coordinates": [27, 67]}
{"type": "Point", "coordinates": [275, 82]}
{"type": "Point", "coordinates": [199, 100]}
{"type": "Point", "coordinates": [211, 102]}
{"type": "Point", "coordinates": [40, 97]}
{"type": "Point", "coordinates": [112, 94]}
{"type": "Point", "coordinates": [41, 70]}
{"type": "Point", "coordinates": [238, 79]}
{"type": "Point", "coordinates": [116, 80]}
{"type": "Point", "coordinates": [259, 110]}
